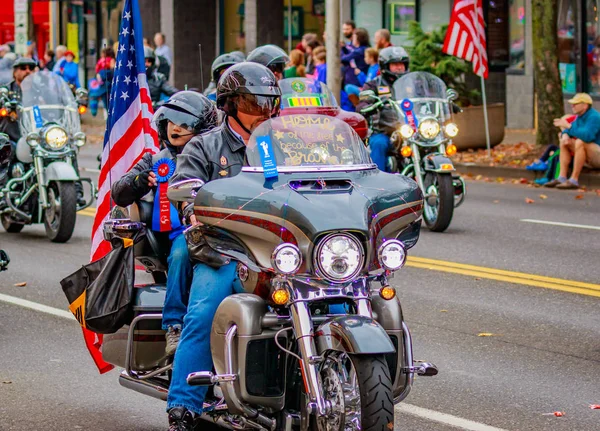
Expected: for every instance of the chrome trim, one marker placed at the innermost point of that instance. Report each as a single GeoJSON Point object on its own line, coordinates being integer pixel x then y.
{"type": "Point", "coordinates": [308, 169]}
{"type": "Point", "coordinates": [409, 361]}
{"type": "Point", "coordinates": [384, 245]}
{"type": "Point", "coordinates": [129, 351]}
{"type": "Point", "coordinates": [317, 263]}
{"type": "Point", "coordinates": [38, 164]}
{"type": "Point", "coordinates": [185, 191]}
{"type": "Point", "coordinates": [278, 249]}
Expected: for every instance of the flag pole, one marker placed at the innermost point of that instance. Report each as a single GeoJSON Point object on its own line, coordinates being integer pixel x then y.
{"type": "Point", "coordinates": [485, 118]}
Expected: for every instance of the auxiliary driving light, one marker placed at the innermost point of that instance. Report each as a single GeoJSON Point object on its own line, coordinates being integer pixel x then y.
{"type": "Point", "coordinates": [392, 255]}
{"type": "Point", "coordinates": [286, 258]}
{"type": "Point", "coordinates": [451, 130]}
{"type": "Point", "coordinates": [33, 139]}
{"type": "Point", "coordinates": [280, 296]}
{"type": "Point", "coordinates": [387, 293]}
{"type": "Point", "coordinates": [79, 139]}
{"type": "Point", "coordinates": [82, 109]}
{"type": "Point", "coordinates": [451, 150]}
{"type": "Point", "coordinates": [3, 112]}
{"type": "Point", "coordinates": [406, 151]}
{"type": "Point", "coordinates": [406, 131]}
{"type": "Point", "coordinates": [446, 167]}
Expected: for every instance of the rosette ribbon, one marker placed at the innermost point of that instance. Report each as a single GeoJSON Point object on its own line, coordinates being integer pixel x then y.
{"type": "Point", "coordinates": [164, 214]}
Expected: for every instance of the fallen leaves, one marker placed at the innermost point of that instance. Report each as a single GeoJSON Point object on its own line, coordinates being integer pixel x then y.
{"type": "Point", "coordinates": [595, 406]}
{"type": "Point", "coordinates": [443, 311]}
{"type": "Point", "coordinates": [529, 201]}
{"type": "Point", "coordinates": [579, 197]}
{"type": "Point", "coordinates": [496, 201]}
{"type": "Point", "coordinates": [543, 197]}
{"type": "Point", "coordinates": [486, 334]}
{"type": "Point", "coordinates": [557, 414]}
{"type": "Point", "coordinates": [22, 284]}
{"type": "Point", "coordinates": [7, 382]}
{"type": "Point", "coordinates": [506, 154]}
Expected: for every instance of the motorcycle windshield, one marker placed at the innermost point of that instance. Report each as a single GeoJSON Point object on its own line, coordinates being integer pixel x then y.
{"type": "Point", "coordinates": [46, 98]}
{"type": "Point", "coordinates": [297, 143]}
{"type": "Point", "coordinates": [305, 93]}
{"type": "Point", "coordinates": [427, 92]}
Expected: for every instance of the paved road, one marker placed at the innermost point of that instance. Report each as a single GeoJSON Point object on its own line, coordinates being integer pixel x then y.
{"type": "Point", "coordinates": [543, 355]}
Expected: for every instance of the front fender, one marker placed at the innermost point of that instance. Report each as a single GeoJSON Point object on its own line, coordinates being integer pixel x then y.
{"type": "Point", "coordinates": [437, 163]}
{"type": "Point", "coordinates": [353, 334]}
{"type": "Point", "coordinates": [60, 171]}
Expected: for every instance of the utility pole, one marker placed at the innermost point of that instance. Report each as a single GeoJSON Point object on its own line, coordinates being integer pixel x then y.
{"type": "Point", "coordinates": [332, 44]}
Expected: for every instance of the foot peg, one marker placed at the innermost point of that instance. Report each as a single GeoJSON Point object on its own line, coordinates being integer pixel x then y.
{"type": "Point", "coordinates": [424, 369]}
{"type": "Point", "coordinates": [207, 378]}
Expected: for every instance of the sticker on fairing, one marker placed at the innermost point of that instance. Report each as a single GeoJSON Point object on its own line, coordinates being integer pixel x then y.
{"type": "Point", "coordinates": [266, 156]}
{"type": "Point", "coordinates": [296, 102]}
{"type": "Point", "coordinates": [37, 117]}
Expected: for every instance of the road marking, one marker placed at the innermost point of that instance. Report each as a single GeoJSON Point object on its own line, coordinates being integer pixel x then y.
{"type": "Point", "coordinates": [444, 418]}
{"type": "Point", "coordinates": [96, 171]}
{"type": "Point", "coordinates": [90, 212]}
{"type": "Point", "coordinates": [37, 307]}
{"type": "Point", "coordinates": [563, 285]}
{"type": "Point", "coordinates": [557, 223]}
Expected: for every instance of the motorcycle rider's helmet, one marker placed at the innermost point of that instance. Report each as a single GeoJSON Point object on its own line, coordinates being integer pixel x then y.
{"type": "Point", "coordinates": [24, 61]}
{"type": "Point", "coordinates": [250, 88]}
{"type": "Point", "coordinates": [149, 55]}
{"type": "Point", "coordinates": [271, 56]}
{"type": "Point", "coordinates": [393, 54]}
{"type": "Point", "coordinates": [187, 109]}
{"type": "Point", "coordinates": [221, 63]}
{"type": "Point", "coordinates": [239, 54]}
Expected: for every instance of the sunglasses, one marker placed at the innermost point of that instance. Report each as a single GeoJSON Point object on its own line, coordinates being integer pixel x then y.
{"type": "Point", "coordinates": [26, 68]}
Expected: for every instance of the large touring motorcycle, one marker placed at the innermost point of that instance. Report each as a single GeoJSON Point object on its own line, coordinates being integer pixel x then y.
{"type": "Point", "coordinates": [318, 341]}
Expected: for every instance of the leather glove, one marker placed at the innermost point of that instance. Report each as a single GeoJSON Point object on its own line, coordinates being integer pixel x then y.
{"type": "Point", "coordinates": [140, 182]}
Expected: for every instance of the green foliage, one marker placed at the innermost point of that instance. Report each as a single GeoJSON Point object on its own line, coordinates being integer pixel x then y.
{"type": "Point", "coordinates": [426, 56]}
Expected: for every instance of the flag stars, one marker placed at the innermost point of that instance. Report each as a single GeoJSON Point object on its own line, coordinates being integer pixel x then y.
{"type": "Point", "coordinates": [131, 48]}
{"type": "Point", "coordinates": [125, 31]}
{"type": "Point", "coordinates": [127, 80]}
{"type": "Point", "coordinates": [129, 64]}
{"type": "Point", "coordinates": [122, 49]}
{"type": "Point", "coordinates": [124, 95]}
{"type": "Point", "coordinates": [127, 15]}
{"type": "Point", "coordinates": [135, 81]}
{"type": "Point", "coordinates": [120, 64]}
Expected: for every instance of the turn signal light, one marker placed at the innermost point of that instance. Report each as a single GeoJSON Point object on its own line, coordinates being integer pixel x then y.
{"type": "Point", "coordinates": [451, 150]}
{"type": "Point", "coordinates": [280, 296]}
{"type": "Point", "coordinates": [406, 151]}
{"type": "Point", "coordinates": [446, 167]}
{"type": "Point", "coordinates": [387, 293]}
{"type": "Point", "coordinates": [82, 109]}
{"type": "Point", "coordinates": [3, 112]}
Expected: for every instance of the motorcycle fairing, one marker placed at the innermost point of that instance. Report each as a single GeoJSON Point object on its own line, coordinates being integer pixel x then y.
{"type": "Point", "coordinates": [434, 162]}
{"type": "Point", "coordinates": [60, 171]}
{"type": "Point", "coordinates": [353, 334]}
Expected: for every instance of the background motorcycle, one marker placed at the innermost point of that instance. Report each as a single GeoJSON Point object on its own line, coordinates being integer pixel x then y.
{"type": "Point", "coordinates": [41, 186]}
{"type": "Point", "coordinates": [283, 358]}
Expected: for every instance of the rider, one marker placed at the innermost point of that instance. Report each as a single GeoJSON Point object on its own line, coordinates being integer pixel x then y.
{"type": "Point", "coordinates": [249, 95]}
{"type": "Point", "coordinates": [185, 115]}
{"type": "Point", "coordinates": [157, 82]}
{"type": "Point", "coordinates": [393, 63]}
{"type": "Point", "coordinates": [22, 68]}
{"type": "Point", "coordinates": [219, 66]}
{"type": "Point", "coordinates": [271, 56]}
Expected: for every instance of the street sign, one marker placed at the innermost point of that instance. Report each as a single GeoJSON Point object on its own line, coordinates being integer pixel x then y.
{"type": "Point", "coordinates": [21, 21]}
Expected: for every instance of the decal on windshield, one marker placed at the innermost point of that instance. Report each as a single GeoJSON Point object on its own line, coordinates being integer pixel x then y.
{"type": "Point", "coordinates": [295, 102]}
{"type": "Point", "coordinates": [267, 157]}
{"type": "Point", "coordinates": [37, 116]}
{"type": "Point", "coordinates": [298, 86]}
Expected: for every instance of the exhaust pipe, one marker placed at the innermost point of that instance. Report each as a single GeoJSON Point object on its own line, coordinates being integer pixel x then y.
{"type": "Point", "coordinates": [152, 387]}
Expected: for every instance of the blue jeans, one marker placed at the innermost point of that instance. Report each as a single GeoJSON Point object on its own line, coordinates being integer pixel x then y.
{"type": "Point", "coordinates": [210, 287]}
{"type": "Point", "coordinates": [179, 277]}
{"type": "Point", "coordinates": [379, 144]}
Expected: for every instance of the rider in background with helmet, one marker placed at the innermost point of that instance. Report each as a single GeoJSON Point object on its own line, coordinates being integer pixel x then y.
{"type": "Point", "coordinates": [183, 116]}
{"type": "Point", "coordinates": [22, 68]}
{"type": "Point", "coordinates": [393, 63]}
{"type": "Point", "coordinates": [157, 82]}
{"type": "Point", "coordinates": [272, 57]}
{"type": "Point", "coordinates": [219, 66]}
{"type": "Point", "coordinates": [249, 95]}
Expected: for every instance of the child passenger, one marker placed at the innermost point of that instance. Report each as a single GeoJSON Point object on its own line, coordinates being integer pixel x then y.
{"type": "Point", "coordinates": [185, 115]}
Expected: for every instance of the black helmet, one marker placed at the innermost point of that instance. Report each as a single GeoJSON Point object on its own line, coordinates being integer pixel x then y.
{"type": "Point", "coordinates": [393, 54]}
{"type": "Point", "coordinates": [187, 109]}
{"type": "Point", "coordinates": [271, 56]}
{"type": "Point", "coordinates": [250, 88]}
{"type": "Point", "coordinates": [24, 61]}
{"type": "Point", "coordinates": [221, 63]}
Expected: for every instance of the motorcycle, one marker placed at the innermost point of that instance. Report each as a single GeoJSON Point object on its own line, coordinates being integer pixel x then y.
{"type": "Point", "coordinates": [317, 341]}
{"type": "Point", "coordinates": [423, 143]}
{"type": "Point", "coordinates": [42, 176]}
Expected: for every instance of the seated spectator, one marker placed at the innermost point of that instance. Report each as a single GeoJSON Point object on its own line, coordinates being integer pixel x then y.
{"type": "Point", "coordinates": [382, 39]}
{"type": "Point", "coordinates": [579, 142]}
{"type": "Point", "coordinates": [372, 59]}
{"type": "Point", "coordinates": [295, 68]}
{"type": "Point", "coordinates": [320, 59]}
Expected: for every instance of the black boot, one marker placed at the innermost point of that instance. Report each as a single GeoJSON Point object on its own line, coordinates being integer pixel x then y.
{"type": "Point", "coordinates": [182, 419]}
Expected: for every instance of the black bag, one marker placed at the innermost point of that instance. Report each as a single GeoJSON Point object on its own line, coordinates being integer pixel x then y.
{"type": "Point", "coordinates": [100, 293]}
{"type": "Point", "coordinates": [200, 250]}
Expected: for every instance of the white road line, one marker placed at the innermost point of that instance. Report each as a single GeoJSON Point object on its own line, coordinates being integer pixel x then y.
{"type": "Point", "coordinates": [37, 307]}
{"type": "Point", "coordinates": [557, 223]}
{"type": "Point", "coordinates": [431, 415]}
{"type": "Point", "coordinates": [444, 418]}
{"type": "Point", "coordinates": [96, 171]}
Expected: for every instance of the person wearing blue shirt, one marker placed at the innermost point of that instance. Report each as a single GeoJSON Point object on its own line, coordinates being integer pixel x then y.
{"type": "Point", "coordinates": [579, 142]}
{"type": "Point", "coordinates": [70, 70]}
{"type": "Point", "coordinates": [355, 58]}
{"type": "Point", "coordinates": [372, 59]}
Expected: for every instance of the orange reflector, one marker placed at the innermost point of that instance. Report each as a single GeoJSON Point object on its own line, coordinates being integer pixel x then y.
{"type": "Point", "coordinates": [447, 167]}
{"type": "Point", "coordinates": [280, 296]}
{"type": "Point", "coordinates": [387, 293]}
{"type": "Point", "coordinates": [406, 151]}
{"type": "Point", "coordinates": [451, 150]}
{"type": "Point", "coordinates": [82, 109]}
{"type": "Point", "coordinates": [3, 112]}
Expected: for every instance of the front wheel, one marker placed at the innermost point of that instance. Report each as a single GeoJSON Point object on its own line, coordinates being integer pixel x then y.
{"type": "Point", "coordinates": [359, 389]}
{"type": "Point", "coordinates": [60, 216]}
{"type": "Point", "coordinates": [439, 201]}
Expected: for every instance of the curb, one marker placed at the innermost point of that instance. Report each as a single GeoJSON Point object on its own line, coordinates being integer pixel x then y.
{"type": "Point", "coordinates": [589, 180]}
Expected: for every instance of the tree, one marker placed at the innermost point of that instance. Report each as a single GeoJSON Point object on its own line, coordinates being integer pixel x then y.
{"type": "Point", "coordinates": [547, 83]}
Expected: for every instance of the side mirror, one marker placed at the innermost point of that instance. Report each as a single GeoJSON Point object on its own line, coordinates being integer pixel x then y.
{"type": "Point", "coordinates": [81, 92]}
{"type": "Point", "coordinates": [451, 94]}
{"type": "Point", "coordinates": [184, 191]}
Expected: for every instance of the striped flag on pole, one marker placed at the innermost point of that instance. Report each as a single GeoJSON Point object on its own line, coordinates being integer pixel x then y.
{"type": "Point", "coordinates": [129, 135]}
{"type": "Point", "coordinates": [465, 37]}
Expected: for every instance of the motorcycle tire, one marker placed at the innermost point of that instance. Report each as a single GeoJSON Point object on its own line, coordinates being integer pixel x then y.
{"type": "Point", "coordinates": [62, 224]}
{"type": "Point", "coordinates": [11, 227]}
{"type": "Point", "coordinates": [376, 398]}
{"type": "Point", "coordinates": [438, 219]}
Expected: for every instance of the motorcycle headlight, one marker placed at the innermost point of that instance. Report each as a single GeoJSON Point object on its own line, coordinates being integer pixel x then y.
{"type": "Point", "coordinates": [286, 258]}
{"type": "Point", "coordinates": [79, 139]}
{"type": "Point", "coordinates": [392, 255]}
{"type": "Point", "coordinates": [33, 139]}
{"type": "Point", "coordinates": [56, 137]}
{"type": "Point", "coordinates": [451, 130]}
{"type": "Point", "coordinates": [429, 128]}
{"type": "Point", "coordinates": [339, 257]}
{"type": "Point", "coordinates": [406, 131]}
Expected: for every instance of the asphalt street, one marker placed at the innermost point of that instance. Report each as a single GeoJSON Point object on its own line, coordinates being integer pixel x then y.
{"type": "Point", "coordinates": [510, 353]}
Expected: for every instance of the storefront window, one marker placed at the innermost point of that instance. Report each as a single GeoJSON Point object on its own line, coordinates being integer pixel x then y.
{"type": "Point", "coordinates": [517, 34]}
{"type": "Point", "coordinates": [400, 13]}
{"type": "Point", "coordinates": [568, 44]}
{"type": "Point", "coordinates": [592, 27]}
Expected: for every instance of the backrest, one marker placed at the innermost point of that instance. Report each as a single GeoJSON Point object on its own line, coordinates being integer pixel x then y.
{"type": "Point", "coordinates": [153, 250]}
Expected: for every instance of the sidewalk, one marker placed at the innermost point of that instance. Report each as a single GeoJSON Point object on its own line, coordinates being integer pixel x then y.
{"type": "Point", "coordinates": [510, 157]}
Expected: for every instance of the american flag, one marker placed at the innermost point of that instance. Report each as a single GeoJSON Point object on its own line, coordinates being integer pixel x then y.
{"type": "Point", "coordinates": [465, 37]}
{"type": "Point", "coordinates": [128, 136]}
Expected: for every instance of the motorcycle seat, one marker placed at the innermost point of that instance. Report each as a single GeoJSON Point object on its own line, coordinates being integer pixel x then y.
{"type": "Point", "coordinates": [153, 250]}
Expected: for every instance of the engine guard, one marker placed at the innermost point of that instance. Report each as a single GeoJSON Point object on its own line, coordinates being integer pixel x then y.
{"type": "Point", "coordinates": [353, 334]}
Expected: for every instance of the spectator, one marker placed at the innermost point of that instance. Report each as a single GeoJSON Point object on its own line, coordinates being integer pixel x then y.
{"type": "Point", "coordinates": [320, 59]}
{"type": "Point", "coordinates": [70, 70]}
{"type": "Point", "coordinates": [162, 49]}
{"type": "Point", "coordinates": [49, 60]}
{"type": "Point", "coordinates": [59, 57]}
{"type": "Point", "coordinates": [356, 58]}
{"type": "Point", "coordinates": [146, 42]}
{"type": "Point", "coordinates": [305, 39]}
{"type": "Point", "coordinates": [310, 66]}
{"type": "Point", "coordinates": [31, 51]}
{"type": "Point", "coordinates": [372, 59]}
{"type": "Point", "coordinates": [3, 50]}
{"type": "Point", "coordinates": [106, 61]}
{"type": "Point", "coordinates": [382, 39]}
{"type": "Point", "coordinates": [579, 142]}
{"type": "Point", "coordinates": [348, 30]}
{"type": "Point", "coordinates": [296, 65]}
